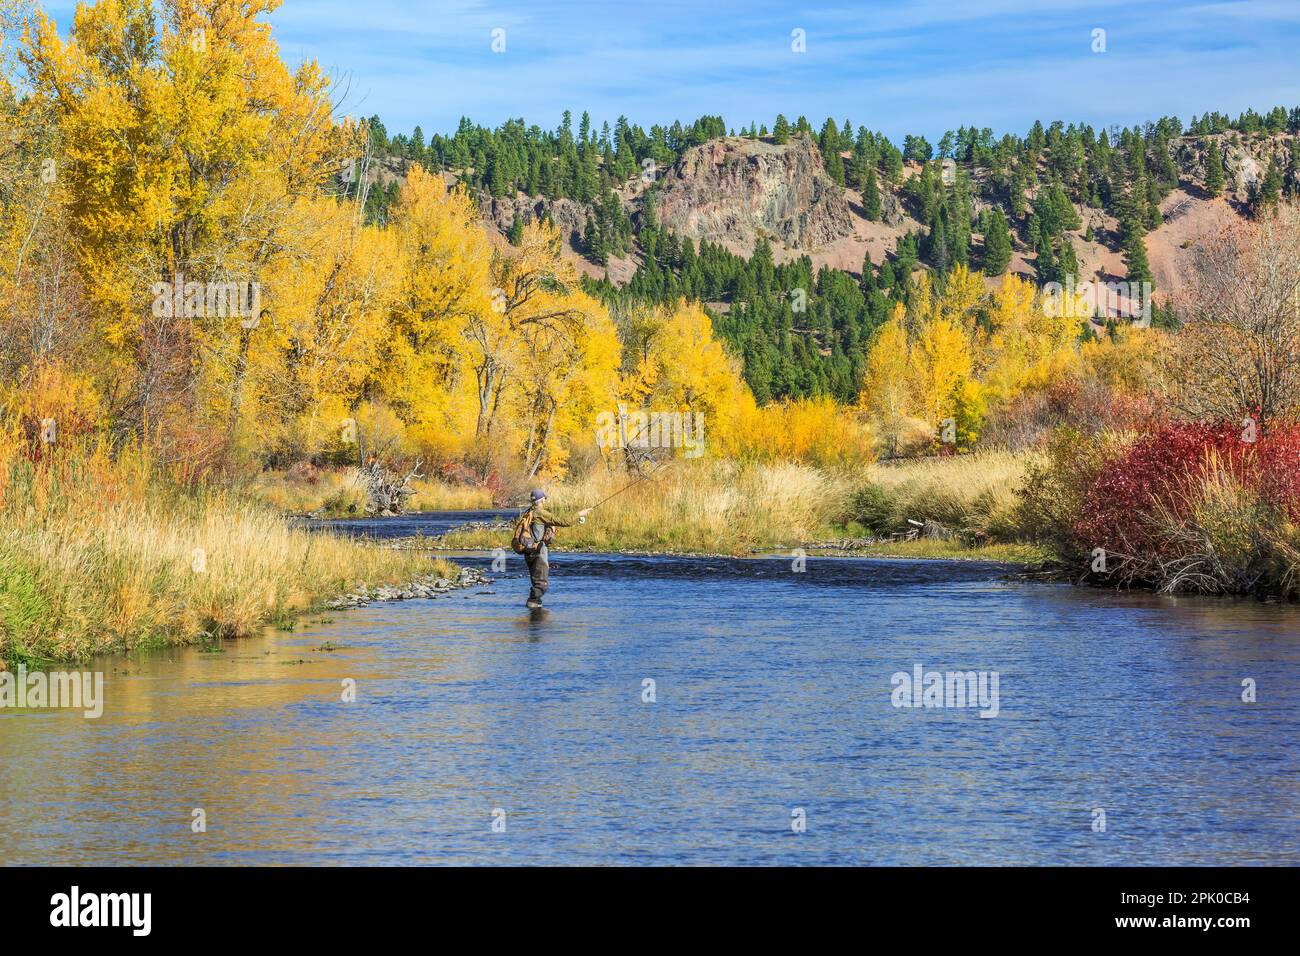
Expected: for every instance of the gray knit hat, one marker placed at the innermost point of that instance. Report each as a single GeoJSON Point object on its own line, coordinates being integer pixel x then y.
{"type": "Point", "coordinates": [537, 494]}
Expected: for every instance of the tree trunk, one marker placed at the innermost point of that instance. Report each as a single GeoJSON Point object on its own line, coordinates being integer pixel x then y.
{"type": "Point", "coordinates": [237, 386]}
{"type": "Point", "coordinates": [541, 445]}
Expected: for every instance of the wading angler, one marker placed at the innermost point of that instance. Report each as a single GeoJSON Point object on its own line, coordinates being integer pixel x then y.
{"type": "Point", "coordinates": [534, 532]}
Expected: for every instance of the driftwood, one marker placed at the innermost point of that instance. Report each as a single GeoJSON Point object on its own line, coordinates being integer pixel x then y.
{"type": "Point", "coordinates": [386, 491]}
{"type": "Point", "coordinates": [924, 529]}
{"type": "Point", "coordinates": [932, 529]}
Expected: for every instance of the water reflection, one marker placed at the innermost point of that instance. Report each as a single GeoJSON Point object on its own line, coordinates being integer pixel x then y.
{"type": "Point", "coordinates": [772, 692]}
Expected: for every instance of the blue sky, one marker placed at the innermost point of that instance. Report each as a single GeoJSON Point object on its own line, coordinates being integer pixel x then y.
{"type": "Point", "coordinates": [921, 66]}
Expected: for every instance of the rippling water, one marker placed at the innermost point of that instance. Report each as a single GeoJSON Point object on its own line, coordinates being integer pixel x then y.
{"type": "Point", "coordinates": [427, 523]}
{"type": "Point", "coordinates": [773, 692]}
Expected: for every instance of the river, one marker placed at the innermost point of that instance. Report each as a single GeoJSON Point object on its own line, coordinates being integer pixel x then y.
{"type": "Point", "coordinates": [483, 733]}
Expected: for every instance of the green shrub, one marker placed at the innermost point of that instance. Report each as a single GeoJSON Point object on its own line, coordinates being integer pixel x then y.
{"type": "Point", "coordinates": [875, 508]}
{"type": "Point", "coordinates": [24, 607]}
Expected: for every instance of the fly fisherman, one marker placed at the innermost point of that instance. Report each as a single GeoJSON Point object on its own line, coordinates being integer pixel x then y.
{"type": "Point", "coordinates": [536, 528]}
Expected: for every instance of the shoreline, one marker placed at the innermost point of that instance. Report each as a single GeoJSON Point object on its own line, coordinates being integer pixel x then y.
{"type": "Point", "coordinates": [442, 576]}
{"type": "Point", "coordinates": [1014, 553]}
{"type": "Point", "coordinates": [1024, 561]}
{"type": "Point", "coordinates": [429, 586]}
{"type": "Point", "coordinates": [425, 587]}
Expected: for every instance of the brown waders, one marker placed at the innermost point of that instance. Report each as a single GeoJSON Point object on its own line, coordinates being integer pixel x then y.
{"type": "Point", "coordinates": [539, 570]}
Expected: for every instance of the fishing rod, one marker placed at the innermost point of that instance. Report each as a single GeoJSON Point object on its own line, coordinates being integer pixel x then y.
{"type": "Point", "coordinates": [640, 478]}
{"type": "Point", "coordinates": [582, 519]}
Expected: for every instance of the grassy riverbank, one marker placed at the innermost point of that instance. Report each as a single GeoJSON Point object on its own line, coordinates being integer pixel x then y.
{"type": "Point", "coordinates": [1011, 552]}
{"type": "Point", "coordinates": [334, 493]}
{"type": "Point", "coordinates": [98, 554]}
{"type": "Point", "coordinates": [729, 508]}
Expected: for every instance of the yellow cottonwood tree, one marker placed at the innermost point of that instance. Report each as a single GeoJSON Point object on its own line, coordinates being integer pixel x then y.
{"type": "Point", "coordinates": [886, 386]}
{"type": "Point", "coordinates": [941, 362]}
{"type": "Point", "coordinates": [185, 142]}
{"type": "Point", "coordinates": [533, 291]}
{"type": "Point", "coordinates": [445, 262]}
{"type": "Point", "coordinates": [1027, 346]}
{"type": "Point", "coordinates": [960, 299]}
{"type": "Point", "coordinates": [815, 430]}
{"type": "Point", "coordinates": [678, 365]}
{"type": "Point", "coordinates": [333, 296]}
{"type": "Point", "coordinates": [567, 377]}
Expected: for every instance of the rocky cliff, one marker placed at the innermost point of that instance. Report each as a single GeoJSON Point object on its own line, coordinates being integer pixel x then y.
{"type": "Point", "coordinates": [733, 190]}
{"type": "Point", "coordinates": [570, 217]}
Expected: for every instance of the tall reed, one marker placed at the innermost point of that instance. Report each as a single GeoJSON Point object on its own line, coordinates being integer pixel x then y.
{"type": "Point", "coordinates": [98, 553]}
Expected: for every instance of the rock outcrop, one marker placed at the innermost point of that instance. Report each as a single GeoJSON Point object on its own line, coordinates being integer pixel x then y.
{"type": "Point", "coordinates": [734, 190]}
{"type": "Point", "coordinates": [570, 217]}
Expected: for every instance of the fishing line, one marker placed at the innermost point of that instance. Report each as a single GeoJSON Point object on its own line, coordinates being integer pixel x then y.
{"type": "Point", "coordinates": [638, 481]}
{"type": "Point", "coordinates": [654, 471]}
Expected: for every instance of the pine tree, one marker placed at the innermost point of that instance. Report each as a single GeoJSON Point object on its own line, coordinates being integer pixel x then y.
{"type": "Point", "coordinates": [834, 166]}
{"type": "Point", "coordinates": [867, 283]}
{"type": "Point", "coordinates": [1213, 169]}
{"type": "Point", "coordinates": [1045, 263]}
{"type": "Point", "coordinates": [997, 243]}
{"type": "Point", "coordinates": [939, 253]}
{"type": "Point", "coordinates": [781, 131]}
{"type": "Point", "coordinates": [593, 241]}
{"type": "Point", "coordinates": [1135, 254]}
{"type": "Point", "coordinates": [1269, 190]}
{"type": "Point", "coordinates": [1067, 263]}
{"type": "Point", "coordinates": [1016, 199]}
{"type": "Point", "coordinates": [649, 220]}
{"type": "Point", "coordinates": [871, 195]}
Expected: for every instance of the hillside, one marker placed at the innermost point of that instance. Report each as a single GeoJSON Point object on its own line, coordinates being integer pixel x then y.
{"type": "Point", "coordinates": [802, 245]}
{"type": "Point", "coordinates": [734, 190]}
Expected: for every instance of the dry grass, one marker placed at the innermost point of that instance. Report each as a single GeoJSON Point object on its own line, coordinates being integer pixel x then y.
{"type": "Point", "coordinates": [98, 555]}
{"type": "Point", "coordinates": [937, 549]}
{"type": "Point", "coordinates": [434, 495]}
{"type": "Point", "coordinates": [336, 494]}
{"type": "Point", "coordinates": [331, 492]}
{"type": "Point", "coordinates": [702, 507]}
{"type": "Point", "coordinates": [729, 508]}
{"type": "Point", "coordinates": [977, 495]}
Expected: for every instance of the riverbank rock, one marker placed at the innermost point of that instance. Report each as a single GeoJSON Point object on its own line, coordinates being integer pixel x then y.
{"type": "Point", "coordinates": [426, 587]}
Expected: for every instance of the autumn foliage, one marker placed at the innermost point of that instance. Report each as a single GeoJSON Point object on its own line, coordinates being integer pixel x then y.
{"type": "Point", "coordinates": [1184, 506]}
{"type": "Point", "coordinates": [167, 146]}
{"type": "Point", "coordinates": [956, 360]}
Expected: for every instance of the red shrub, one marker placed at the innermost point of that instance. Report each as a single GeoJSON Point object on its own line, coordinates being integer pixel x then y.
{"type": "Point", "coordinates": [1279, 462]}
{"type": "Point", "coordinates": [1161, 467]}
